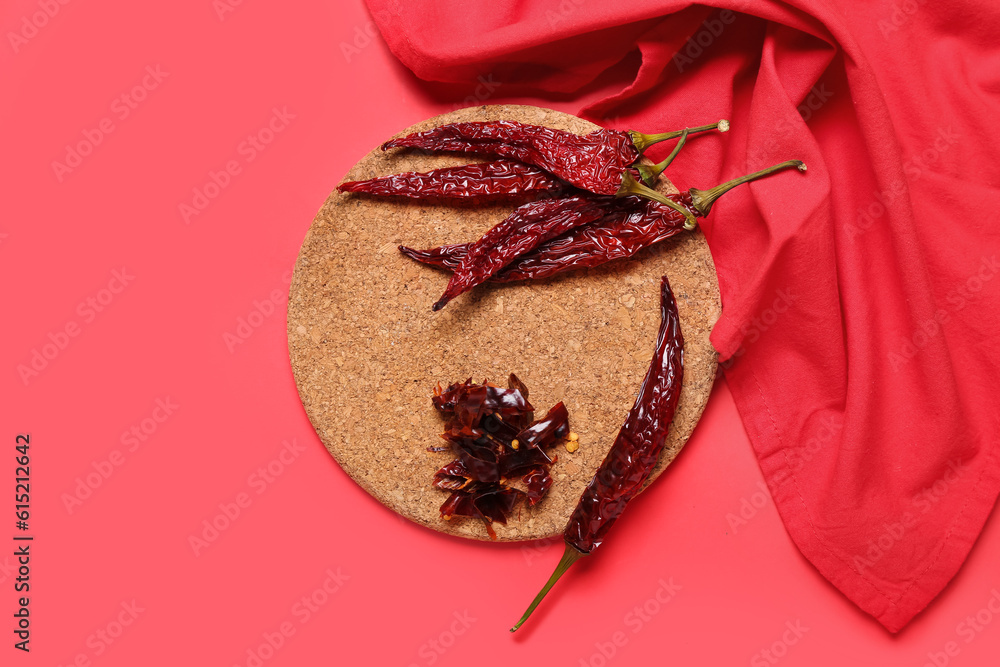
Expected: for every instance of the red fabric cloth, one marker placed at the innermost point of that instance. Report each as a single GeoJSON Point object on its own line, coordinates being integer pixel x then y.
{"type": "Point", "coordinates": [860, 311]}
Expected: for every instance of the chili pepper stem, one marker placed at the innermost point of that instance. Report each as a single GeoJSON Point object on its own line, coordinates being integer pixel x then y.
{"type": "Point", "coordinates": [570, 556]}
{"type": "Point", "coordinates": [644, 141]}
{"type": "Point", "coordinates": [703, 199]}
{"type": "Point", "coordinates": [630, 186]}
{"type": "Point", "coordinates": [650, 174]}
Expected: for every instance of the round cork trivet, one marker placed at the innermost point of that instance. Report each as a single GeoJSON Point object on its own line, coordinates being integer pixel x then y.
{"type": "Point", "coordinates": [366, 349]}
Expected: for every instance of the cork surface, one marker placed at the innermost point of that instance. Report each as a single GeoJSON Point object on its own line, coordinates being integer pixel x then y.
{"type": "Point", "coordinates": [366, 349]}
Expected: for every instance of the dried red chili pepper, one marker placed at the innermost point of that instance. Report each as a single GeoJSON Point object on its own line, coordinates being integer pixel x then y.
{"type": "Point", "coordinates": [529, 225]}
{"type": "Point", "coordinates": [493, 432]}
{"type": "Point", "coordinates": [622, 232]}
{"type": "Point", "coordinates": [447, 257]}
{"type": "Point", "coordinates": [499, 178]}
{"type": "Point", "coordinates": [617, 236]}
{"type": "Point", "coordinates": [596, 162]}
{"type": "Point", "coordinates": [635, 451]}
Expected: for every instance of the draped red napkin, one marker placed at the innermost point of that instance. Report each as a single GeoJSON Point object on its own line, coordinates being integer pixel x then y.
{"type": "Point", "coordinates": [859, 331]}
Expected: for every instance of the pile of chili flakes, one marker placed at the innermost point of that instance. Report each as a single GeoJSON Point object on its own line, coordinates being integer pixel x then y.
{"type": "Point", "coordinates": [497, 440]}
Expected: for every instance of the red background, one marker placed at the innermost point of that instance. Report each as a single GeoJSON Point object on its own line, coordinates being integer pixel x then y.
{"type": "Point", "coordinates": [168, 333]}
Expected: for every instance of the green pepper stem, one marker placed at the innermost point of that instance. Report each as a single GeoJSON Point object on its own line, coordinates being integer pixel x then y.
{"type": "Point", "coordinates": [650, 174]}
{"type": "Point", "coordinates": [570, 556]}
{"type": "Point", "coordinates": [630, 186]}
{"type": "Point", "coordinates": [644, 141]}
{"type": "Point", "coordinates": [703, 199]}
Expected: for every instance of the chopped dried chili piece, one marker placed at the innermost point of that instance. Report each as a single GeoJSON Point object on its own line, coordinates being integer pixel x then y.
{"type": "Point", "coordinates": [538, 482]}
{"type": "Point", "coordinates": [497, 503]}
{"type": "Point", "coordinates": [453, 476]}
{"type": "Point", "coordinates": [487, 502]}
{"type": "Point", "coordinates": [547, 430]}
{"type": "Point", "coordinates": [468, 402]}
{"type": "Point", "coordinates": [515, 462]}
{"type": "Point", "coordinates": [493, 433]}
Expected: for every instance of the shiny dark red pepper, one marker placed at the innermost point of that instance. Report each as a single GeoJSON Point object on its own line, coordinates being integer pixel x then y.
{"type": "Point", "coordinates": [635, 451]}
{"type": "Point", "coordinates": [637, 448]}
{"type": "Point", "coordinates": [596, 162]}
{"type": "Point", "coordinates": [496, 179]}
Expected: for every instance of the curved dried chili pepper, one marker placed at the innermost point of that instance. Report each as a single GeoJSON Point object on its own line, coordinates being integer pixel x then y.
{"type": "Point", "coordinates": [447, 257]}
{"type": "Point", "coordinates": [499, 178]}
{"type": "Point", "coordinates": [635, 451]}
{"type": "Point", "coordinates": [596, 162]}
{"type": "Point", "coordinates": [617, 236]}
{"type": "Point", "coordinates": [621, 233]}
{"type": "Point", "coordinates": [521, 231]}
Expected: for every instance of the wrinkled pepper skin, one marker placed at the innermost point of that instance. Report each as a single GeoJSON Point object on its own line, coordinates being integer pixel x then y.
{"type": "Point", "coordinates": [640, 441]}
{"type": "Point", "coordinates": [520, 232]}
{"type": "Point", "coordinates": [626, 229]}
{"type": "Point", "coordinates": [499, 179]}
{"type": "Point", "coordinates": [634, 453]}
{"type": "Point", "coordinates": [593, 162]}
